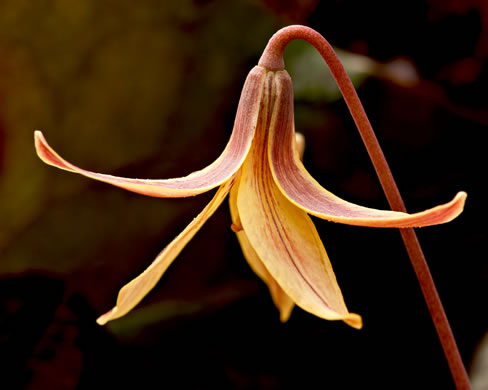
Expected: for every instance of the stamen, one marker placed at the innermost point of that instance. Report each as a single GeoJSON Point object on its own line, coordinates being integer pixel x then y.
{"type": "Point", "coordinates": [236, 227]}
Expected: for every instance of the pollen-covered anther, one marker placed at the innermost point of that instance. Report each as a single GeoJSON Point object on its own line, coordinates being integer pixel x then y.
{"type": "Point", "coordinates": [236, 227]}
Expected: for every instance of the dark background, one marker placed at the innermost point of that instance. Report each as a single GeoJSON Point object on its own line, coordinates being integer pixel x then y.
{"type": "Point", "coordinates": [150, 89]}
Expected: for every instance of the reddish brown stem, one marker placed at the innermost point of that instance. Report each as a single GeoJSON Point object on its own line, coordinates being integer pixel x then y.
{"type": "Point", "coordinates": [272, 59]}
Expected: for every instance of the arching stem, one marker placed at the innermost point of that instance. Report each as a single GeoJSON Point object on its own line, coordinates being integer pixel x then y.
{"type": "Point", "coordinates": [272, 59]}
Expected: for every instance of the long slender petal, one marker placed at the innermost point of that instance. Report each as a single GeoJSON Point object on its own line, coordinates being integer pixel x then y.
{"type": "Point", "coordinates": [133, 292]}
{"type": "Point", "coordinates": [305, 192]}
{"type": "Point", "coordinates": [213, 175]}
{"type": "Point", "coordinates": [282, 301]}
{"type": "Point", "coordinates": [284, 236]}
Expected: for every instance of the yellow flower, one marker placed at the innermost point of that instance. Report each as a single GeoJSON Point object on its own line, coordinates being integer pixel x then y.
{"type": "Point", "coordinates": [271, 194]}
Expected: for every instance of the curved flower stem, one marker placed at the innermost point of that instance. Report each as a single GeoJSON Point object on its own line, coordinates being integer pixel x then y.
{"type": "Point", "coordinates": [272, 59]}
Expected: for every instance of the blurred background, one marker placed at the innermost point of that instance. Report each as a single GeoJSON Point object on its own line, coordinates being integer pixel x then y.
{"type": "Point", "coordinates": [150, 89]}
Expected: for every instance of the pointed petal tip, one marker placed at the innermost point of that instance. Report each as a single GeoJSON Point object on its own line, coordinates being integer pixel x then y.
{"type": "Point", "coordinates": [446, 212]}
{"type": "Point", "coordinates": [354, 320]}
{"type": "Point", "coordinates": [285, 311]}
{"type": "Point", "coordinates": [47, 154]}
{"type": "Point", "coordinates": [108, 316]}
{"type": "Point", "coordinates": [460, 200]}
{"type": "Point", "coordinates": [39, 139]}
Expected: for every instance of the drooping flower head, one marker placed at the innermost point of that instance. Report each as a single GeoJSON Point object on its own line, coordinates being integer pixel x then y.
{"type": "Point", "coordinates": [271, 195]}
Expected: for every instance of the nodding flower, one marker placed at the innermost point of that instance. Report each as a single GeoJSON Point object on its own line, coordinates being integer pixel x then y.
{"type": "Point", "coordinates": [271, 195]}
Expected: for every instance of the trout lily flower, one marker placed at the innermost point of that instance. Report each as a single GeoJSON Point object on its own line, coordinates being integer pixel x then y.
{"type": "Point", "coordinates": [271, 195]}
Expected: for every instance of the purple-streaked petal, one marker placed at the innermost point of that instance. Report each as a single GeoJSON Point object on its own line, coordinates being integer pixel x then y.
{"type": "Point", "coordinates": [282, 301]}
{"type": "Point", "coordinates": [283, 235]}
{"type": "Point", "coordinates": [305, 192]}
{"type": "Point", "coordinates": [197, 182]}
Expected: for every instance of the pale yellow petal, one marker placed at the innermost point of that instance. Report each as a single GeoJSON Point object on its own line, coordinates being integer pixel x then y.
{"type": "Point", "coordinates": [133, 292]}
{"type": "Point", "coordinates": [282, 301]}
{"type": "Point", "coordinates": [283, 235]}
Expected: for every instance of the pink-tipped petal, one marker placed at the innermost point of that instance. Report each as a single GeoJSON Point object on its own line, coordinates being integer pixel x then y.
{"type": "Point", "coordinates": [282, 235]}
{"type": "Point", "coordinates": [281, 300]}
{"type": "Point", "coordinates": [212, 176]}
{"type": "Point", "coordinates": [305, 192]}
{"type": "Point", "coordinates": [133, 292]}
